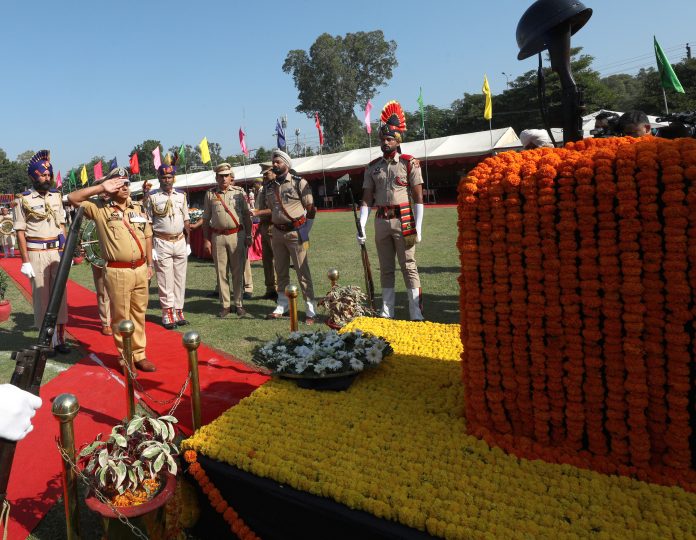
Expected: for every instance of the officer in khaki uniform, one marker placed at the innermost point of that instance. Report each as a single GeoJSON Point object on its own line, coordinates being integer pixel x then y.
{"type": "Point", "coordinates": [168, 211]}
{"type": "Point", "coordinates": [125, 238]}
{"type": "Point", "coordinates": [7, 239]}
{"type": "Point", "coordinates": [227, 233]}
{"type": "Point", "coordinates": [265, 230]}
{"type": "Point", "coordinates": [103, 302]}
{"type": "Point", "coordinates": [39, 220]}
{"type": "Point", "coordinates": [389, 182]}
{"type": "Point", "coordinates": [288, 200]}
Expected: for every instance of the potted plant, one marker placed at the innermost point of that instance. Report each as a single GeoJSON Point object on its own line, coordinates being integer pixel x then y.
{"type": "Point", "coordinates": [321, 360]}
{"type": "Point", "coordinates": [5, 306]}
{"type": "Point", "coordinates": [133, 474]}
{"type": "Point", "coordinates": [343, 304]}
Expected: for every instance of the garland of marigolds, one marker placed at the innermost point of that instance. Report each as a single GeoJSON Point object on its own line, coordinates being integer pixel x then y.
{"type": "Point", "coordinates": [221, 506]}
{"type": "Point", "coordinates": [578, 269]}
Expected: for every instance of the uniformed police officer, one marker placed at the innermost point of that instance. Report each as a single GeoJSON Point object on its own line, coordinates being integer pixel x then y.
{"type": "Point", "coordinates": [39, 220]}
{"type": "Point", "coordinates": [390, 181]}
{"type": "Point", "coordinates": [7, 239]}
{"type": "Point", "coordinates": [103, 302]}
{"type": "Point", "coordinates": [288, 200]}
{"type": "Point", "coordinates": [125, 238]}
{"type": "Point", "coordinates": [227, 234]}
{"type": "Point", "coordinates": [168, 211]}
{"type": "Point", "coordinates": [265, 230]}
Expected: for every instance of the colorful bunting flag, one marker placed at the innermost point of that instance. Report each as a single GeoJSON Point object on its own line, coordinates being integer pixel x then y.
{"type": "Point", "coordinates": [113, 164]}
{"type": "Point", "coordinates": [72, 180]}
{"type": "Point", "coordinates": [280, 135]}
{"type": "Point", "coordinates": [98, 170]}
{"type": "Point", "coordinates": [368, 125]}
{"type": "Point", "coordinates": [134, 164]}
{"type": "Point", "coordinates": [205, 153]}
{"type": "Point", "coordinates": [242, 142]}
{"type": "Point", "coordinates": [157, 158]}
{"type": "Point", "coordinates": [318, 124]}
{"type": "Point", "coordinates": [488, 110]}
{"type": "Point", "coordinates": [83, 175]}
{"type": "Point", "coordinates": [59, 180]}
{"type": "Point", "coordinates": [182, 154]}
{"type": "Point", "coordinates": [668, 79]}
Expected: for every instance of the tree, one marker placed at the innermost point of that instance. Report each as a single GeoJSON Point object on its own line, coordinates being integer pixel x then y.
{"type": "Point", "coordinates": [24, 157]}
{"type": "Point", "coordinates": [13, 175]}
{"type": "Point", "coordinates": [339, 73]}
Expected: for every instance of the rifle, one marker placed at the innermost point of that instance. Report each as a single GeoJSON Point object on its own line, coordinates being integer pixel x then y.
{"type": "Point", "coordinates": [369, 284]}
{"type": "Point", "coordinates": [30, 363]}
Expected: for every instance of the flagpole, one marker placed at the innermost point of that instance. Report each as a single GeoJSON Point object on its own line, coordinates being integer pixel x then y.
{"type": "Point", "coordinates": [321, 154]}
{"type": "Point", "coordinates": [664, 95]}
{"type": "Point", "coordinates": [425, 152]}
{"type": "Point", "coordinates": [490, 131]}
{"type": "Point", "coordinates": [185, 174]}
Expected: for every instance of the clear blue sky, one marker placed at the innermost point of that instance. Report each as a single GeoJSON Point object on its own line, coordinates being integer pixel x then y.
{"type": "Point", "coordinates": [86, 78]}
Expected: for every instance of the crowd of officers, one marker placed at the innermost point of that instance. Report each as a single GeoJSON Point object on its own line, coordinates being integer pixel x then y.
{"type": "Point", "coordinates": [141, 238]}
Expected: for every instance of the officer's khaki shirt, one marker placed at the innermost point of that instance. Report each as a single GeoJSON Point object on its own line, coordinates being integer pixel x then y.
{"type": "Point", "coordinates": [259, 202]}
{"type": "Point", "coordinates": [295, 196]}
{"type": "Point", "coordinates": [173, 222]}
{"type": "Point", "coordinates": [36, 226]}
{"type": "Point", "coordinates": [389, 180]}
{"type": "Point", "coordinates": [216, 215]}
{"type": "Point", "coordinates": [116, 241]}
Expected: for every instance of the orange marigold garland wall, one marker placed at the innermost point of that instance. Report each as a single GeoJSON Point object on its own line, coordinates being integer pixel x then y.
{"type": "Point", "coordinates": [578, 273]}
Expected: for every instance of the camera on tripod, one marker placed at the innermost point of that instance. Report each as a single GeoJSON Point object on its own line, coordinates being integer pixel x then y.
{"type": "Point", "coordinates": [681, 124]}
{"type": "Point", "coordinates": [606, 125]}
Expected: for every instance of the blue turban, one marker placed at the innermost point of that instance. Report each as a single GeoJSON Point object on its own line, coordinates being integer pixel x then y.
{"type": "Point", "coordinates": [39, 164]}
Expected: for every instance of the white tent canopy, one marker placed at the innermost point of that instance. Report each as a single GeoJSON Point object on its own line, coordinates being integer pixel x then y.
{"type": "Point", "coordinates": [588, 123]}
{"type": "Point", "coordinates": [451, 147]}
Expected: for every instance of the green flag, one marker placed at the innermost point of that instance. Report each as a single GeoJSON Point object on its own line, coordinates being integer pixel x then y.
{"type": "Point", "coordinates": [668, 79]}
{"type": "Point", "coordinates": [420, 104]}
{"type": "Point", "coordinates": [182, 154]}
{"type": "Point", "coordinates": [73, 180]}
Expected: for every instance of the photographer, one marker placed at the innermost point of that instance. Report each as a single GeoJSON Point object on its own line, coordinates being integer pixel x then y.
{"type": "Point", "coordinates": [634, 124]}
{"type": "Point", "coordinates": [606, 125]}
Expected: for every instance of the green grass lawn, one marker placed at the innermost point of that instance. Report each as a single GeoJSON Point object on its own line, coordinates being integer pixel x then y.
{"type": "Point", "coordinates": [333, 244]}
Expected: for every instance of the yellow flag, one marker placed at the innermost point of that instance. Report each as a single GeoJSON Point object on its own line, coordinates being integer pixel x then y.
{"type": "Point", "coordinates": [488, 110]}
{"type": "Point", "coordinates": [83, 175]}
{"type": "Point", "coordinates": [205, 153]}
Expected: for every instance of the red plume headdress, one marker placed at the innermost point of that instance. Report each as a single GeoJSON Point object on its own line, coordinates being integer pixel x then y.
{"type": "Point", "coordinates": [392, 121]}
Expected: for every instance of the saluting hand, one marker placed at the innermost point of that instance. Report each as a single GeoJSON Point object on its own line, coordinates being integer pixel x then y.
{"type": "Point", "coordinates": [112, 185]}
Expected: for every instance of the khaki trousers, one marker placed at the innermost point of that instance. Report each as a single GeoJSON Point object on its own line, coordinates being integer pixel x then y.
{"type": "Point", "coordinates": [248, 278]}
{"type": "Point", "coordinates": [45, 265]}
{"type": "Point", "coordinates": [229, 249]}
{"type": "Point", "coordinates": [390, 243]}
{"type": "Point", "coordinates": [103, 302]}
{"type": "Point", "coordinates": [128, 292]}
{"type": "Point", "coordinates": [170, 267]}
{"type": "Point", "coordinates": [288, 247]}
{"type": "Point", "coordinates": [269, 276]}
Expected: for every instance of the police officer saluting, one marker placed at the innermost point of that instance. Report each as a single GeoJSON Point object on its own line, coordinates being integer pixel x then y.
{"type": "Point", "coordinates": [39, 220]}
{"type": "Point", "coordinates": [391, 181]}
{"type": "Point", "coordinates": [168, 211]}
{"type": "Point", "coordinates": [227, 233]}
{"type": "Point", "coordinates": [125, 238]}
{"type": "Point", "coordinates": [288, 200]}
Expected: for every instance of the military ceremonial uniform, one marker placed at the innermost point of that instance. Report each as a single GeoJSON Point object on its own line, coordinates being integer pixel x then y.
{"type": "Point", "coordinates": [42, 219]}
{"type": "Point", "coordinates": [169, 213]}
{"type": "Point", "coordinates": [123, 233]}
{"type": "Point", "coordinates": [265, 226]}
{"type": "Point", "coordinates": [7, 239]}
{"type": "Point", "coordinates": [230, 224]}
{"type": "Point", "coordinates": [287, 198]}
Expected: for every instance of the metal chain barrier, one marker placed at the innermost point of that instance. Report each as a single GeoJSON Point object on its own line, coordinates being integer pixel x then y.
{"type": "Point", "coordinates": [102, 498]}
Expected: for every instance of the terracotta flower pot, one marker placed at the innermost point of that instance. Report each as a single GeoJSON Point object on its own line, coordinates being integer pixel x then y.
{"type": "Point", "coordinates": [5, 310]}
{"type": "Point", "coordinates": [148, 517]}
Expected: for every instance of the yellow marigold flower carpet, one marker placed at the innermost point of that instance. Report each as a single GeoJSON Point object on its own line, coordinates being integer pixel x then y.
{"type": "Point", "coordinates": [395, 445]}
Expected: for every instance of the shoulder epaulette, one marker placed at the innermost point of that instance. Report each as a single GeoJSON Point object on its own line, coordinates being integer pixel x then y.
{"type": "Point", "coordinates": [27, 192]}
{"type": "Point", "coordinates": [406, 157]}
{"type": "Point", "coordinates": [374, 161]}
{"type": "Point", "coordinates": [54, 190]}
{"type": "Point", "coordinates": [180, 191]}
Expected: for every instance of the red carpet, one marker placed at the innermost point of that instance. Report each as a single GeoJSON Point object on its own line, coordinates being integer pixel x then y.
{"type": "Point", "coordinates": [35, 482]}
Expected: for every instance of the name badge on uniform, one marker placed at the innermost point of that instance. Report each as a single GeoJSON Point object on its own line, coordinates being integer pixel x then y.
{"type": "Point", "coordinates": [38, 207]}
{"type": "Point", "coordinates": [115, 216]}
{"type": "Point", "coordinates": [136, 218]}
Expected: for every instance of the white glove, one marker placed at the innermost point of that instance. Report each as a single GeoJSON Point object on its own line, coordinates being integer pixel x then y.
{"type": "Point", "coordinates": [154, 255]}
{"type": "Point", "coordinates": [418, 211]}
{"type": "Point", "coordinates": [188, 250]}
{"type": "Point", "coordinates": [27, 270]}
{"type": "Point", "coordinates": [17, 408]}
{"type": "Point", "coordinates": [364, 214]}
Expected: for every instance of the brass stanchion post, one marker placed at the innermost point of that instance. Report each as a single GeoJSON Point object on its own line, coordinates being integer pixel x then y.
{"type": "Point", "coordinates": [126, 329]}
{"type": "Point", "coordinates": [65, 408]}
{"type": "Point", "coordinates": [191, 341]}
{"type": "Point", "coordinates": [291, 293]}
{"type": "Point", "coordinates": [333, 276]}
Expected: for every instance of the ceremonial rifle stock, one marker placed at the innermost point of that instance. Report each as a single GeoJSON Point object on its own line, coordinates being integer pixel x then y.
{"type": "Point", "coordinates": [30, 363]}
{"type": "Point", "coordinates": [369, 283]}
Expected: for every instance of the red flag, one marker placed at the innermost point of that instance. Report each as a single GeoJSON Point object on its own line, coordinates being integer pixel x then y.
{"type": "Point", "coordinates": [318, 124]}
{"type": "Point", "coordinates": [98, 170]}
{"type": "Point", "coordinates": [242, 141]}
{"type": "Point", "coordinates": [59, 180]}
{"type": "Point", "coordinates": [134, 165]}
